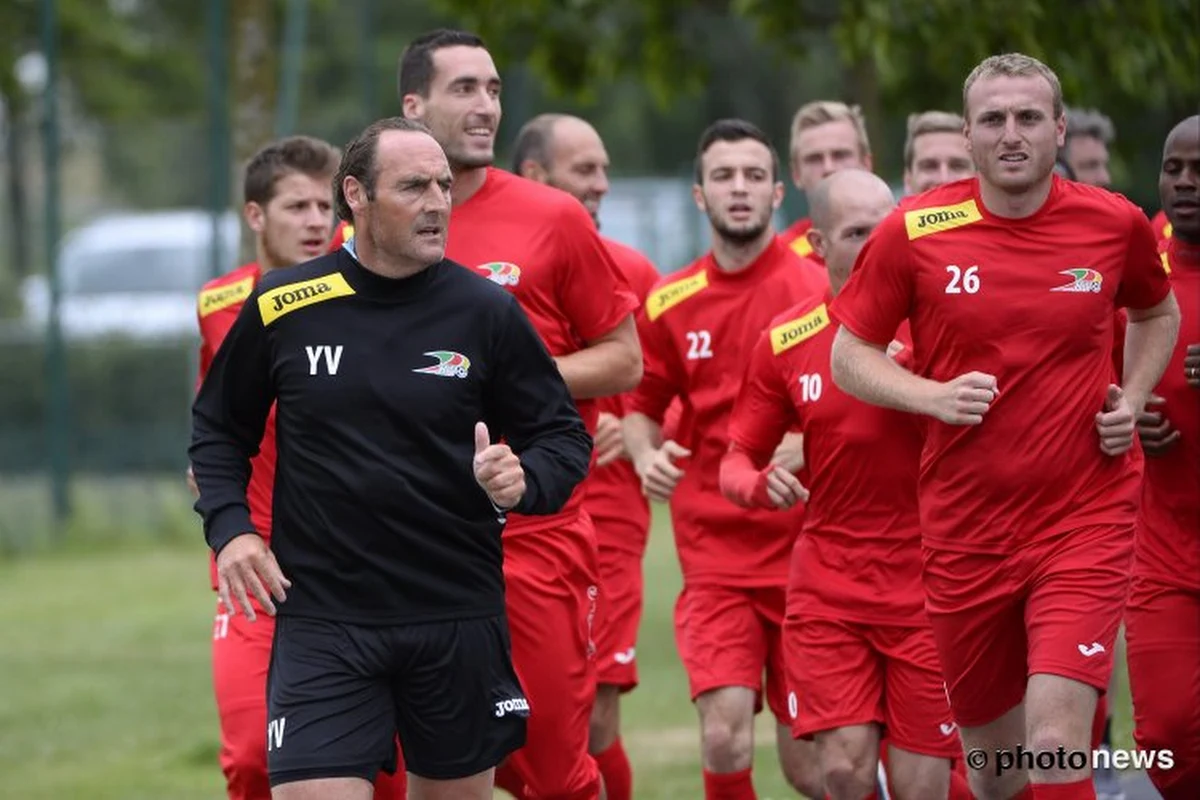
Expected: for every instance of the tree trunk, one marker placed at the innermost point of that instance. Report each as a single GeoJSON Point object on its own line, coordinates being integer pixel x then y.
{"type": "Point", "coordinates": [254, 90]}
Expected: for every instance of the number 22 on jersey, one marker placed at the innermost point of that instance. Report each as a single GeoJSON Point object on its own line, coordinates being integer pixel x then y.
{"type": "Point", "coordinates": [699, 345]}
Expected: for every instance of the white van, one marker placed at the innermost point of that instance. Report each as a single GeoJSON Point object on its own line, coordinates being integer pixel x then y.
{"type": "Point", "coordinates": [134, 274]}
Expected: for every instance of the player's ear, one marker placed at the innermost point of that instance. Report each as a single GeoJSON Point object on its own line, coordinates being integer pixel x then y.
{"type": "Point", "coordinates": [698, 196]}
{"type": "Point", "coordinates": [355, 193]}
{"type": "Point", "coordinates": [255, 216]}
{"type": "Point", "coordinates": [412, 106]}
{"type": "Point", "coordinates": [534, 171]}
{"type": "Point", "coordinates": [777, 195]}
{"type": "Point", "coordinates": [908, 184]}
{"type": "Point", "coordinates": [817, 240]}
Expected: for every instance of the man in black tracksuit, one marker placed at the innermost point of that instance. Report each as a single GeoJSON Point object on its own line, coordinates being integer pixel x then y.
{"type": "Point", "coordinates": [391, 370]}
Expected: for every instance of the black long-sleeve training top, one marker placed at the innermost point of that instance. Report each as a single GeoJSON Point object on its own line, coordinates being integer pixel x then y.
{"type": "Point", "coordinates": [378, 384]}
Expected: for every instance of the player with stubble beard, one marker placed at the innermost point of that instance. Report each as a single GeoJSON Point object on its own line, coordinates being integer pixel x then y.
{"type": "Point", "coordinates": [542, 246]}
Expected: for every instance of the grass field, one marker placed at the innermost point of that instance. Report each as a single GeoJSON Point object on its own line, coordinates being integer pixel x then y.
{"type": "Point", "coordinates": [104, 670]}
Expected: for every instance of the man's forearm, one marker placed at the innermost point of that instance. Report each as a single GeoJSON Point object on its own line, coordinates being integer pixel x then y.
{"type": "Point", "coordinates": [602, 369]}
{"type": "Point", "coordinates": [868, 373]}
{"type": "Point", "coordinates": [1149, 343]}
{"type": "Point", "coordinates": [642, 435]}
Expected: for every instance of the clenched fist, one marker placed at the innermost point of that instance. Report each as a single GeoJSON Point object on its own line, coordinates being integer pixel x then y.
{"type": "Point", "coordinates": [498, 470]}
{"type": "Point", "coordinates": [964, 400]}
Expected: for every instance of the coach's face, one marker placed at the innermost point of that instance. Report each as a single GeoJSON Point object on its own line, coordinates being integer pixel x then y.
{"type": "Point", "coordinates": [463, 106]}
{"type": "Point", "coordinates": [408, 217]}
{"type": "Point", "coordinates": [1012, 131]}
{"type": "Point", "coordinates": [739, 190]}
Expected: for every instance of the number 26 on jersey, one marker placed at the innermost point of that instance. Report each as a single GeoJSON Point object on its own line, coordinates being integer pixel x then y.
{"type": "Point", "coordinates": [962, 280]}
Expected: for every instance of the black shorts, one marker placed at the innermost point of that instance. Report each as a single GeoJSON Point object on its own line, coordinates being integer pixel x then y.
{"type": "Point", "coordinates": [339, 694]}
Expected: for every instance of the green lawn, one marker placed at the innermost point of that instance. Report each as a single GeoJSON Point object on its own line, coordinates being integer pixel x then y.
{"type": "Point", "coordinates": [104, 672]}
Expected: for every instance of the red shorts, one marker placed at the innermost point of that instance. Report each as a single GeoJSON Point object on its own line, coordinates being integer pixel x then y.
{"type": "Point", "coordinates": [619, 617]}
{"type": "Point", "coordinates": [730, 636]}
{"type": "Point", "coordinates": [551, 579]}
{"type": "Point", "coordinates": [1053, 608]}
{"type": "Point", "coordinates": [241, 655]}
{"type": "Point", "coordinates": [849, 673]}
{"type": "Point", "coordinates": [1162, 645]}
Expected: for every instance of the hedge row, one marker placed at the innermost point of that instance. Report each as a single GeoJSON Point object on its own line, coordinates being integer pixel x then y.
{"type": "Point", "coordinates": [128, 405]}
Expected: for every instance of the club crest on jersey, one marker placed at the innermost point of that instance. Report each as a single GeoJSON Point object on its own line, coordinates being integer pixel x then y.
{"type": "Point", "coordinates": [1082, 280]}
{"type": "Point", "coordinates": [450, 364]}
{"type": "Point", "coordinates": [924, 221]}
{"type": "Point", "coordinates": [786, 336]}
{"type": "Point", "coordinates": [219, 297]}
{"type": "Point", "coordinates": [287, 298]}
{"type": "Point", "coordinates": [501, 272]}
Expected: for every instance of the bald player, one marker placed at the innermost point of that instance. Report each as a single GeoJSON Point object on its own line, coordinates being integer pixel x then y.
{"type": "Point", "coordinates": [827, 136]}
{"type": "Point", "coordinates": [566, 152]}
{"type": "Point", "coordinates": [935, 151]}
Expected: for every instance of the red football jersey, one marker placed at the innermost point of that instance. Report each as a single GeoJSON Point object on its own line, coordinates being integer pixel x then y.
{"type": "Point", "coordinates": [1161, 225]}
{"type": "Point", "coordinates": [1032, 302]}
{"type": "Point", "coordinates": [858, 557]}
{"type": "Point", "coordinates": [341, 234]}
{"type": "Point", "coordinates": [540, 244]}
{"type": "Point", "coordinates": [796, 238]}
{"type": "Point", "coordinates": [614, 492]}
{"type": "Point", "coordinates": [1168, 544]}
{"type": "Point", "coordinates": [217, 307]}
{"type": "Point", "coordinates": [698, 328]}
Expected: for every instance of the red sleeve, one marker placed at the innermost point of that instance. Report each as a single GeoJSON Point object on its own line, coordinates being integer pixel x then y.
{"type": "Point", "coordinates": [762, 414]}
{"type": "Point", "coordinates": [661, 376]}
{"type": "Point", "coordinates": [1144, 282]}
{"type": "Point", "coordinates": [741, 483]}
{"type": "Point", "coordinates": [763, 410]}
{"type": "Point", "coordinates": [879, 294]}
{"type": "Point", "coordinates": [594, 294]}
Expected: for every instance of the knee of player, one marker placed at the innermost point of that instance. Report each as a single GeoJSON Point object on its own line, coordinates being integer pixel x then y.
{"type": "Point", "coordinates": [847, 772]}
{"type": "Point", "coordinates": [727, 742]}
{"type": "Point", "coordinates": [926, 780]}
{"type": "Point", "coordinates": [1052, 735]}
{"type": "Point", "coordinates": [804, 776]}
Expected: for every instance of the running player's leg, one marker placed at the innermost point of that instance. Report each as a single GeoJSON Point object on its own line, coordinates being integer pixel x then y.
{"type": "Point", "coordinates": [838, 681]}
{"type": "Point", "coordinates": [976, 608]}
{"type": "Point", "coordinates": [1076, 601]}
{"type": "Point", "coordinates": [241, 656]}
{"type": "Point", "coordinates": [552, 597]}
{"type": "Point", "coordinates": [724, 647]}
{"type": "Point", "coordinates": [923, 739]}
{"type": "Point", "coordinates": [616, 659]}
{"type": "Point", "coordinates": [798, 758]}
{"type": "Point", "coordinates": [459, 707]}
{"type": "Point", "coordinates": [331, 720]}
{"type": "Point", "coordinates": [1162, 637]}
